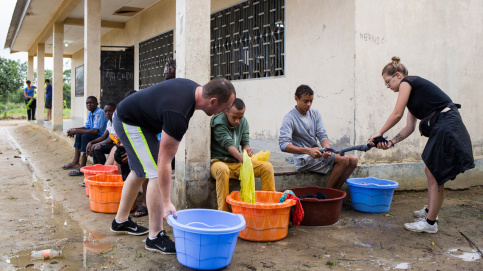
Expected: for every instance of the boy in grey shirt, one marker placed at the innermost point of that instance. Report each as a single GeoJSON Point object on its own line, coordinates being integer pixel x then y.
{"type": "Point", "coordinates": [302, 129]}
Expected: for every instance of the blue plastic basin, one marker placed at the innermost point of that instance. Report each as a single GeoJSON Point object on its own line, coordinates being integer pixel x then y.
{"type": "Point", "coordinates": [205, 239]}
{"type": "Point", "coordinates": [371, 195]}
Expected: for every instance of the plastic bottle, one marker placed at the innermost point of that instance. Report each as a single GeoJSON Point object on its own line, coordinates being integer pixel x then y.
{"type": "Point", "coordinates": [45, 254]}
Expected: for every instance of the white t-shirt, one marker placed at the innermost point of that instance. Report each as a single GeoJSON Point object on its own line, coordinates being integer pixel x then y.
{"type": "Point", "coordinates": [110, 128]}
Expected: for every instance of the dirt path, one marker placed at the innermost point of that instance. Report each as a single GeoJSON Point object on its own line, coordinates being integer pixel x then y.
{"type": "Point", "coordinates": [42, 207]}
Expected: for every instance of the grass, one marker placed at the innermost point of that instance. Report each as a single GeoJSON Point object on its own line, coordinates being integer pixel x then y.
{"type": "Point", "coordinates": [19, 111]}
{"type": "Point", "coordinates": [331, 263]}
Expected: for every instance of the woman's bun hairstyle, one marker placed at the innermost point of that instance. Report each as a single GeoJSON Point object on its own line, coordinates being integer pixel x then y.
{"type": "Point", "coordinates": [395, 66]}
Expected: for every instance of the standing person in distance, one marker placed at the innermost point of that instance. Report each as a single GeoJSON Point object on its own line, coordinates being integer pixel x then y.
{"type": "Point", "coordinates": [48, 99]}
{"type": "Point", "coordinates": [30, 100]}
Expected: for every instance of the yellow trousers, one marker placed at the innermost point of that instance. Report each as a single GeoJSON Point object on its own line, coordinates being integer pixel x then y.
{"type": "Point", "coordinates": [223, 172]}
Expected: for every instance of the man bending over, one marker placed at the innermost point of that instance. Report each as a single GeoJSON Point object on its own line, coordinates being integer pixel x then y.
{"type": "Point", "coordinates": [164, 108]}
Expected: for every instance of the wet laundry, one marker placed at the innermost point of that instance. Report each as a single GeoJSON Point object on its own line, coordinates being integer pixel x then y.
{"type": "Point", "coordinates": [318, 195]}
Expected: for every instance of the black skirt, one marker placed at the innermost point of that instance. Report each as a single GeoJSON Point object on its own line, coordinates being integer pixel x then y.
{"type": "Point", "coordinates": [448, 151]}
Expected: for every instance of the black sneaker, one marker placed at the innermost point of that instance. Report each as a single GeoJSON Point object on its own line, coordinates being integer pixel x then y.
{"type": "Point", "coordinates": [162, 244]}
{"type": "Point", "coordinates": [128, 227]}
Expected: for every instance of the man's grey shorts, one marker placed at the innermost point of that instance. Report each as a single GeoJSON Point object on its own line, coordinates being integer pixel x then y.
{"type": "Point", "coordinates": [319, 165]}
{"type": "Point", "coordinates": [142, 147]}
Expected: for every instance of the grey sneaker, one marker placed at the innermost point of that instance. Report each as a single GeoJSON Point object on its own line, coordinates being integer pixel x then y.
{"type": "Point", "coordinates": [421, 226]}
{"type": "Point", "coordinates": [422, 213]}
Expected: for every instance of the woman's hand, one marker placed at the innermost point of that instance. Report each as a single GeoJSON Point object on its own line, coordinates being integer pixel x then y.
{"type": "Point", "coordinates": [385, 146]}
{"type": "Point", "coordinates": [371, 141]}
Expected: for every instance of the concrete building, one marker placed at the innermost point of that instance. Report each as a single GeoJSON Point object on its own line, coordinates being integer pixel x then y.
{"type": "Point", "coordinates": [268, 48]}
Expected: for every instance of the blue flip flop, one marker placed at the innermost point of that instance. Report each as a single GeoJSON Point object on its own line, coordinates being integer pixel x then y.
{"type": "Point", "coordinates": [67, 166]}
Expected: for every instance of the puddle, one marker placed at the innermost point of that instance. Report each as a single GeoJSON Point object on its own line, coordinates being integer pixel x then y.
{"type": "Point", "coordinates": [465, 256]}
{"type": "Point", "coordinates": [402, 266]}
{"type": "Point", "coordinates": [63, 232]}
{"type": "Point", "coordinates": [92, 243]}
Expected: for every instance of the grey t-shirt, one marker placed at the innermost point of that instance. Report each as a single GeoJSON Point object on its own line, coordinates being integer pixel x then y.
{"type": "Point", "coordinates": [302, 131]}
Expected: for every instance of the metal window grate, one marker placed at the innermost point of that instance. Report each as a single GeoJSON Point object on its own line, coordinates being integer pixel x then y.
{"type": "Point", "coordinates": [247, 40]}
{"type": "Point", "coordinates": [153, 54]}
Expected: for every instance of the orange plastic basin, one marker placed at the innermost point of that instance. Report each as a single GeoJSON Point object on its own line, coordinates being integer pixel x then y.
{"type": "Point", "coordinates": [97, 169]}
{"type": "Point", "coordinates": [266, 219]}
{"type": "Point", "coordinates": [105, 192]}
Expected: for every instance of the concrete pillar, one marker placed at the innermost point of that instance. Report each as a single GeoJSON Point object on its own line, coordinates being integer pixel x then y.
{"type": "Point", "coordinates": [193, 62]}
{"type": "Point", "coordinates": [58, 78]}
{"type": "Point", "coordinates": [40, 82]}
{"type": "Point", "coordinates": [30, 69]}
{"type": "Point", "coordinates": [136, 66]}
{"type": "Point", "coordinates": [92, 50]}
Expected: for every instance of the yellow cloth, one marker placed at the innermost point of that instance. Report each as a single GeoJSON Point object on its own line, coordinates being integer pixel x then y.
{"type": "Point", "coordinates": [223, 172]}
{"type": "Point", "coordinates": [261, 155]}
{"type": "Point", "coordinates": [247, 180]}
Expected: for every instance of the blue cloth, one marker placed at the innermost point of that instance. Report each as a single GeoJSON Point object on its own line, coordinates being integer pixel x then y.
{"type": "Point", "coordinates": [159, 137]}
{"type": "Point", "coordinates": [284, 195]}
{"type": "Point", "coordinates": [48, 88]}
{"type": "Point", "coordinates": [30, 92]}
{"type": "Point", "coordinates": [97, 120]}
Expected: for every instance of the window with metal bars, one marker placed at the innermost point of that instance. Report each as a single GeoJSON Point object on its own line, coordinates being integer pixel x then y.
{"type": "Point", "coordinates": [247, 40]}
{"type": "Point", "coordinates": [153, 55]}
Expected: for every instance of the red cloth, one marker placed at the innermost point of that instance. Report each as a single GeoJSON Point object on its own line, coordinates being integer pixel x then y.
{"type": "Point", "coordinates": [298, 214]}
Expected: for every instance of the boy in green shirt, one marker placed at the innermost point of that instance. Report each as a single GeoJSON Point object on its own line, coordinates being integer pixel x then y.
{"type": "Point", "coordinates": [229, 131]}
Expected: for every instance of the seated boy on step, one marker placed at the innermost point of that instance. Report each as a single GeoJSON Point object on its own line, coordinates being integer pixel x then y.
{"type": "Point", "coordinates": [229, 131]}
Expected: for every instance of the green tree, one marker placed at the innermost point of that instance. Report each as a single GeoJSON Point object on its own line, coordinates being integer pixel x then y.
{"type": "Point", "coordinates": [12, 76]}
{"type": "Point", "coordinates": [67, 86]}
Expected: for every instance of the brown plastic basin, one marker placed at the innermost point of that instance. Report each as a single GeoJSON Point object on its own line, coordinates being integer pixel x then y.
{"type": "Point", "coordinates": [320, 212]}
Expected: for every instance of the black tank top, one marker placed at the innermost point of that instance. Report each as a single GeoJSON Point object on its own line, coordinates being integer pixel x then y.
{"type": "Point", "coordinates": [425, 97]}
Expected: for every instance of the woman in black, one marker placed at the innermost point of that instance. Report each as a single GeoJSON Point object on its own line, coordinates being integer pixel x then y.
{"type": "Point", "coordinates": [448, 151]}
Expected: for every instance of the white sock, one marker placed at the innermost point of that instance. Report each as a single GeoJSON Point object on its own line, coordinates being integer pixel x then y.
{"type": "Point", "coordinates": [120, 222]}
{"type": "Point", "coordinates": [152, 238]}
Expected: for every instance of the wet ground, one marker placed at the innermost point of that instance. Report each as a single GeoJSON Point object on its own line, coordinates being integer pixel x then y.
{"type": "Point", "coordinates": [43, 208]}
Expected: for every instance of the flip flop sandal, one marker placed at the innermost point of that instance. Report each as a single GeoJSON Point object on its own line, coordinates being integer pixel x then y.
{"type": "Point", "coordinates": [75, 172]}
{"type": "Point", "coordinates": [67, 166]}
{"type": "Point", "coordinates": [143, 211]}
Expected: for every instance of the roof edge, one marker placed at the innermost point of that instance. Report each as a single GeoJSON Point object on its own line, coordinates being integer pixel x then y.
{"type": "Point", "coordinates": [15, 23]}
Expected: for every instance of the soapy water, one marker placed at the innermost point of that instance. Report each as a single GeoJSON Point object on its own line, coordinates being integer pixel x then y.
{"type": "Point", "coordinates": [206, 226]}
{"type": "Point", "coordinates": [465, 256]}
{"type": "Point", "coordinates": [402, 266]}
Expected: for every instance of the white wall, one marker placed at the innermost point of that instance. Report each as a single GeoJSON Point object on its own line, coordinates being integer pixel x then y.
{"type": "Point", "coordinates": [441, 41]}
{"type": "Point", "coordinates": [78, 104]}
{"type": "Point", "coordinates": [319, 52]}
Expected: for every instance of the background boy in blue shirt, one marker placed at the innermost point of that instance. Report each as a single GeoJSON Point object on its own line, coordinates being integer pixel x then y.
{"type": "Point", "coordinates": [95, 126]}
